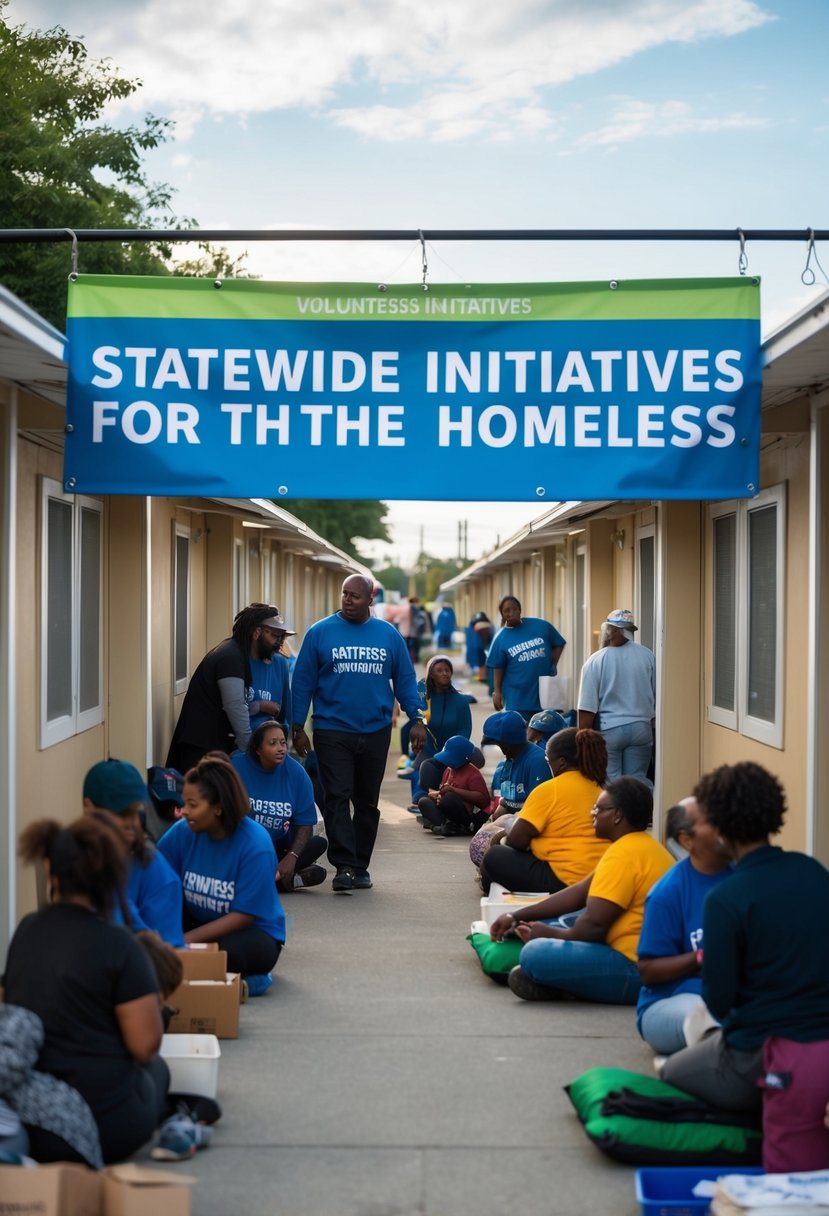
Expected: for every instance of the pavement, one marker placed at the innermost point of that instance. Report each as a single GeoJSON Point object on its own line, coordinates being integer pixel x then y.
{"type": "Point", "coordinates": [384, 1074]}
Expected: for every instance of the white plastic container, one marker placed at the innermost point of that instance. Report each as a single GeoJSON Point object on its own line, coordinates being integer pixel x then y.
{"type": "Point", "coordinates": [500, 900]}
{"type": "Point", "coordinates": [193, 1061]}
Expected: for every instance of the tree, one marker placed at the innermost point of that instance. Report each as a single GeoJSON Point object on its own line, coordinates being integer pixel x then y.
{"type": "Point", "coordinates": [341, 521]}
{"type": "Point", "coordinates": [393, 578]}
{"type": "Point", "coordinates": [62, 167]}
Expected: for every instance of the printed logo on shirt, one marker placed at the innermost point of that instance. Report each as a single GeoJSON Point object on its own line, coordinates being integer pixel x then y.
{"type": "Point", "coordinates": [275, 816]}
{"type": "Point", "coordinates": [204, 891]}
{"type": "Point", "coordinates": [533, 648]}
{"type": "Point", "coordinates": [365, 660]}
{"type": "Point", "coordinates": [696, 939]}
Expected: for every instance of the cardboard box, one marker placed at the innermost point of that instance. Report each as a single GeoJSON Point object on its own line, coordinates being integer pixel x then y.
{"type": "Point", "coordinates": [207, 1006]}
{"type": "Point", "coordinates": [49, 1190]}
{"type": "Point", "coordinates": [135, 1190]}
{"type": "Point", "coordinates": [500, 900]}
{"type": "Point", "coordinates": [204, 961]}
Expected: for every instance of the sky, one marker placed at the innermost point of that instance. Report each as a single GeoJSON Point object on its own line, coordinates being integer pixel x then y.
{"type": "Point", "coordinates": [384, 114]}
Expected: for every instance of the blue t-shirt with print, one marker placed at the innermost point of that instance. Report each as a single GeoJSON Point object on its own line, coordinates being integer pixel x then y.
{"type": "Point", "coordinates": [673, 925]}
{"type": "Point", "coordinates": [521, 775]}
{"type": "Point", "coordinates": [236, 874]}
{"type": "Point", "coordinates": [154, 896]}
{"type": "Point", "coordinates": [281, 800]}
{"type": "Point", "coordinates": [525, 653]}
{"type": "Point", "coordinates": [353, 672]}
{"type": "Point", "coordinates": [269, 682]}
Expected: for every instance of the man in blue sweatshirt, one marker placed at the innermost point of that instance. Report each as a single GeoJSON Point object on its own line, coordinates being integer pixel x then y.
{"type": "Point", "coordinates": [352, 667]}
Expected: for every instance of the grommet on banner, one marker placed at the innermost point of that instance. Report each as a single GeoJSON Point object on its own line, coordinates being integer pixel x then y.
{"type": "Point", "coordinates": [540, 491]}
{"type": "Point", "coordinates": [68, 429]}
{"type": "Point", "coordinates": [70, 483]}
{"type": "Point", "coordinates": [382, 287]}
{"type": "Point", "coordinates": [613, 285]}
{"type": "Point", "coordinates": [73, 273]}
{"type": "Point", "coordinates": [217, 283]}
{"type": "Point", "coordinates": [742, 260]}
{"type": "Point", "coordinates": [282, 490]}
{"type": "Point", "coordinates": [424, 285]}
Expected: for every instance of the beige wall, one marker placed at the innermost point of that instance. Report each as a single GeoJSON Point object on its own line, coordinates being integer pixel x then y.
{"type": "Point", "coordinates": [787, 464]}
{"type": "Point", "coordinates": [821, 726]}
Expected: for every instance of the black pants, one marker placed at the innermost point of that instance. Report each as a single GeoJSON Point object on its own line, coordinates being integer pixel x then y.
{"type": "Point", "coordinates": [315, 848]}
{"type": "Point", "coordinates": [451, 809]}
{"type": "Point", "coordinates": [249, 951]}
{"type": "Point", "coordinates": [517, 871]}
{"type": "Point", "coordinates": [352, 768]}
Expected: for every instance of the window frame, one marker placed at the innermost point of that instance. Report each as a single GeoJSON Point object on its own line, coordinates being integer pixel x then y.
{"type": "Point", "coordinates": [181, 531]}
{"type": "Point", "coordinates": [769, 732]}
{"type": "Point", "coordinates": [66, 726]}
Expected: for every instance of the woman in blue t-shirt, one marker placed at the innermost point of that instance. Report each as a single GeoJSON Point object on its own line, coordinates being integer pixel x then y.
{"type": "Point", "coordinates": [525, 648]}
{"type": "Point", "coordinates": [226, 864]}
{"type": "Point", "coordinates": [282, 800]}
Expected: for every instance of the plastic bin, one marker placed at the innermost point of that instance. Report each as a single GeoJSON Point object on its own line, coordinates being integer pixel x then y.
{"type": "Point", "coordinates": [193, 1061]}
{"type": "Point", "coordinates": [669, 1190]}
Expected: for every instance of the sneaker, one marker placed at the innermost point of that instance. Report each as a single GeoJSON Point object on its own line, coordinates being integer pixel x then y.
{"type": "Point", "coordinates": [446, 829]}
{"type": "Point", "coordinates": [343, 880]}
{"type": "Point", "coordinates": [311, 876]}
{"type": "Point", "coordinates": [528, 989]}
{"type": "Point", "coordinates": [257, 985]}
{"type": "Point", "coordinates": [362, 880]}
{"type": "Point", "coordinates": [179, 1138]}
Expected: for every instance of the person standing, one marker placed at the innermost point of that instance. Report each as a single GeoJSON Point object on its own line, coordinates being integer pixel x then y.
{"type": "Point", "coordinates": [524, 649]}
{"type": "Point", "coordinates": [216, 714]}
{"type": "Point", "coordinates": [351, 667]}
{"type": "Point", "coordinates": [618, 697]}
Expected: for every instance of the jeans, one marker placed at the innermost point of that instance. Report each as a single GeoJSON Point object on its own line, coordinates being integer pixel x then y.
{"type": "Point", "coordinates": [352, 767]}
{"type": "Point", "coordinates": [629, 750]}
{"type": "Point", "coordinates": [661, 1023]}
{"type": "Point", "coordinates": [589, 971]}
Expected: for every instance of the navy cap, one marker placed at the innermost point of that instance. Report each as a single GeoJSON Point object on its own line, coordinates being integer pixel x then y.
{"type": "Point", "coordinates": [114, 785]}
{"type": "Point", "coordinates": [506, 727]}
{"type": "Point", "coordinates": [456, 752]}
{"type": "Point", "coordinates": [548, 722]}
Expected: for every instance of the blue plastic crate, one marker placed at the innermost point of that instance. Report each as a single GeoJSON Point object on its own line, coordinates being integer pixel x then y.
{"type": "Point", "coordinates": [669, 1190]}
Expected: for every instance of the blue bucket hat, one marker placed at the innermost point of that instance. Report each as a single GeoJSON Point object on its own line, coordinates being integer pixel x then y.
{"type": "Point", "coordinates": [548, 722]}
{"type": "Point", "coordinates": [114, 785]}
{"type": "Point", "coordinates": [456, 752]}
{"type": "Point", "coordinates": [506, 727]}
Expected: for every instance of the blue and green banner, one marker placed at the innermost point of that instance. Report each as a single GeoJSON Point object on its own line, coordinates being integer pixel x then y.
{"type": "Point", "coordinates": [533, 392]}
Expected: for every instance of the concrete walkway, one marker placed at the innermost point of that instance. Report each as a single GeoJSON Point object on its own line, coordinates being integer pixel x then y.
{"type": "Point", "coordinates": [385, 1075]}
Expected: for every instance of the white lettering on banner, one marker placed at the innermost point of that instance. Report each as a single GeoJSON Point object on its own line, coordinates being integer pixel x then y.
{"type": "Point", "coordinates": [586, 426]}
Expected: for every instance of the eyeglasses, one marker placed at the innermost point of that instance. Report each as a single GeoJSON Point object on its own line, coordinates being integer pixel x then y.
{"type": "Point", "coordinates": [598, 809]}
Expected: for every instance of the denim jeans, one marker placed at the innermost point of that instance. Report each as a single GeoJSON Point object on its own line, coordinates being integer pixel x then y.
{"type": "Point", "coordinates": [352, 767]}
{"type": "Point", "coordinates": [629, 749]}
{"type": "Point", "coordinates": [590, 971]}
{"type": "Point", "coordinates": [661, 1023]}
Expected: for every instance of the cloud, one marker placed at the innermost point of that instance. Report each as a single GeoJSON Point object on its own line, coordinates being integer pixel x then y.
{"type": "Point", "coordinates": [639, 119]}
{"type": "Point", "coordinates": [442, 71]}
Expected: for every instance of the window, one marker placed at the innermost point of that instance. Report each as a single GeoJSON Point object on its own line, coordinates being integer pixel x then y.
{"type": "Point", "coordinates": [747, 541]}
{"type": "Point", "coordinates": [71, 664]}
{"type": "Point", "coordinates": [181, 607]}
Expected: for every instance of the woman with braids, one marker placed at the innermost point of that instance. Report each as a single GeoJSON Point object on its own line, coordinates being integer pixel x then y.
{"type": "Point", "coordinates": [551, 843]}
{"type": "Point", "coordinates": [765, 973]}
{"type": "Point", "coordinates": [92, 985]}
{"type": "Point", "coordinates": [226, 863]}
{"type": "Point", "coordinates": [216, 712]}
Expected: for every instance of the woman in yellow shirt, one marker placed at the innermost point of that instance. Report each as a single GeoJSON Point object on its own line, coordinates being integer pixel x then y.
{"type": "Point", "coordinates": [552, 844]}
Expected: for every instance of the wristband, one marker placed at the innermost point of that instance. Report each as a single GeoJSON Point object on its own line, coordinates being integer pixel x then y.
{"type": "Point", "coordinates": [291, 853]}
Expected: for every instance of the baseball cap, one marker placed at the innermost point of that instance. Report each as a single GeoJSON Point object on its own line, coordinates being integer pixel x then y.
{"type": "Point", "coordinates": [547, 722]}
{"type": "Point", "coordinates": [622, 618]}
{"type": "Point", "coordinates": [277, 621]}
{"type": "Point", "coordinates": [114, 785]}
{"type": "Point", "coordinates": [165, 785]}
{"type": "Point", "coordinates": [506, 727]}
{"type": "Point", "coordinates": [456, 752]}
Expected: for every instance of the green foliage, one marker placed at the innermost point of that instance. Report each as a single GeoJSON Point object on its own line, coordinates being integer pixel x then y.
{"type": "Point", "coordinates": [212, 262]}
{"type": "Point", "coordinates": [62, 167]}
{"type": "Point", "coordinates": [393, 578]}
{"type": "Point", "coordinates": [342, 521]}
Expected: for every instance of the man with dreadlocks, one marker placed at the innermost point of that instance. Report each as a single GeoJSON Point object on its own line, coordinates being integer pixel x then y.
{"type": "Point", "coordinates": [215, 714]}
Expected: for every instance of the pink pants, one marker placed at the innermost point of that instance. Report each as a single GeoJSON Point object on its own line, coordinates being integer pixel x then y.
{"type": "Point", "coordinates": [795, 1094]}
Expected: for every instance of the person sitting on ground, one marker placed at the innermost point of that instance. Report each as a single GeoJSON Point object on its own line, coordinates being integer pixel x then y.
{"type": "Point", "coordinates": [594, 958]}
{"type": "Point", "coordinates": [153, 890]}
{"type": "Point", "coordinates": [447, 713]}
{"type": "Point", "coordinates": [92, 985]}
{"type": "Point", "coordinates": [670, 947]}
{"type": "Point", "coordinates": [543, 725]}
{"type": "Point", "coordinates": [765, 970]}
{"type": "Point", "coordinates": [460, 804]}
{"type": "Point", "coordinates": [551, 843]}
{"type": "Point", "coordinates": [282, 800]}
{"type": "Point", "coordinates": [525, 766]}
{"type": "Point", "coordinates": [226, 863]}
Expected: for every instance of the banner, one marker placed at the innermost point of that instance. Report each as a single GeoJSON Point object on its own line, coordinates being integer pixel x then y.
{"type": "Point", "coordinates": [525, 392]}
